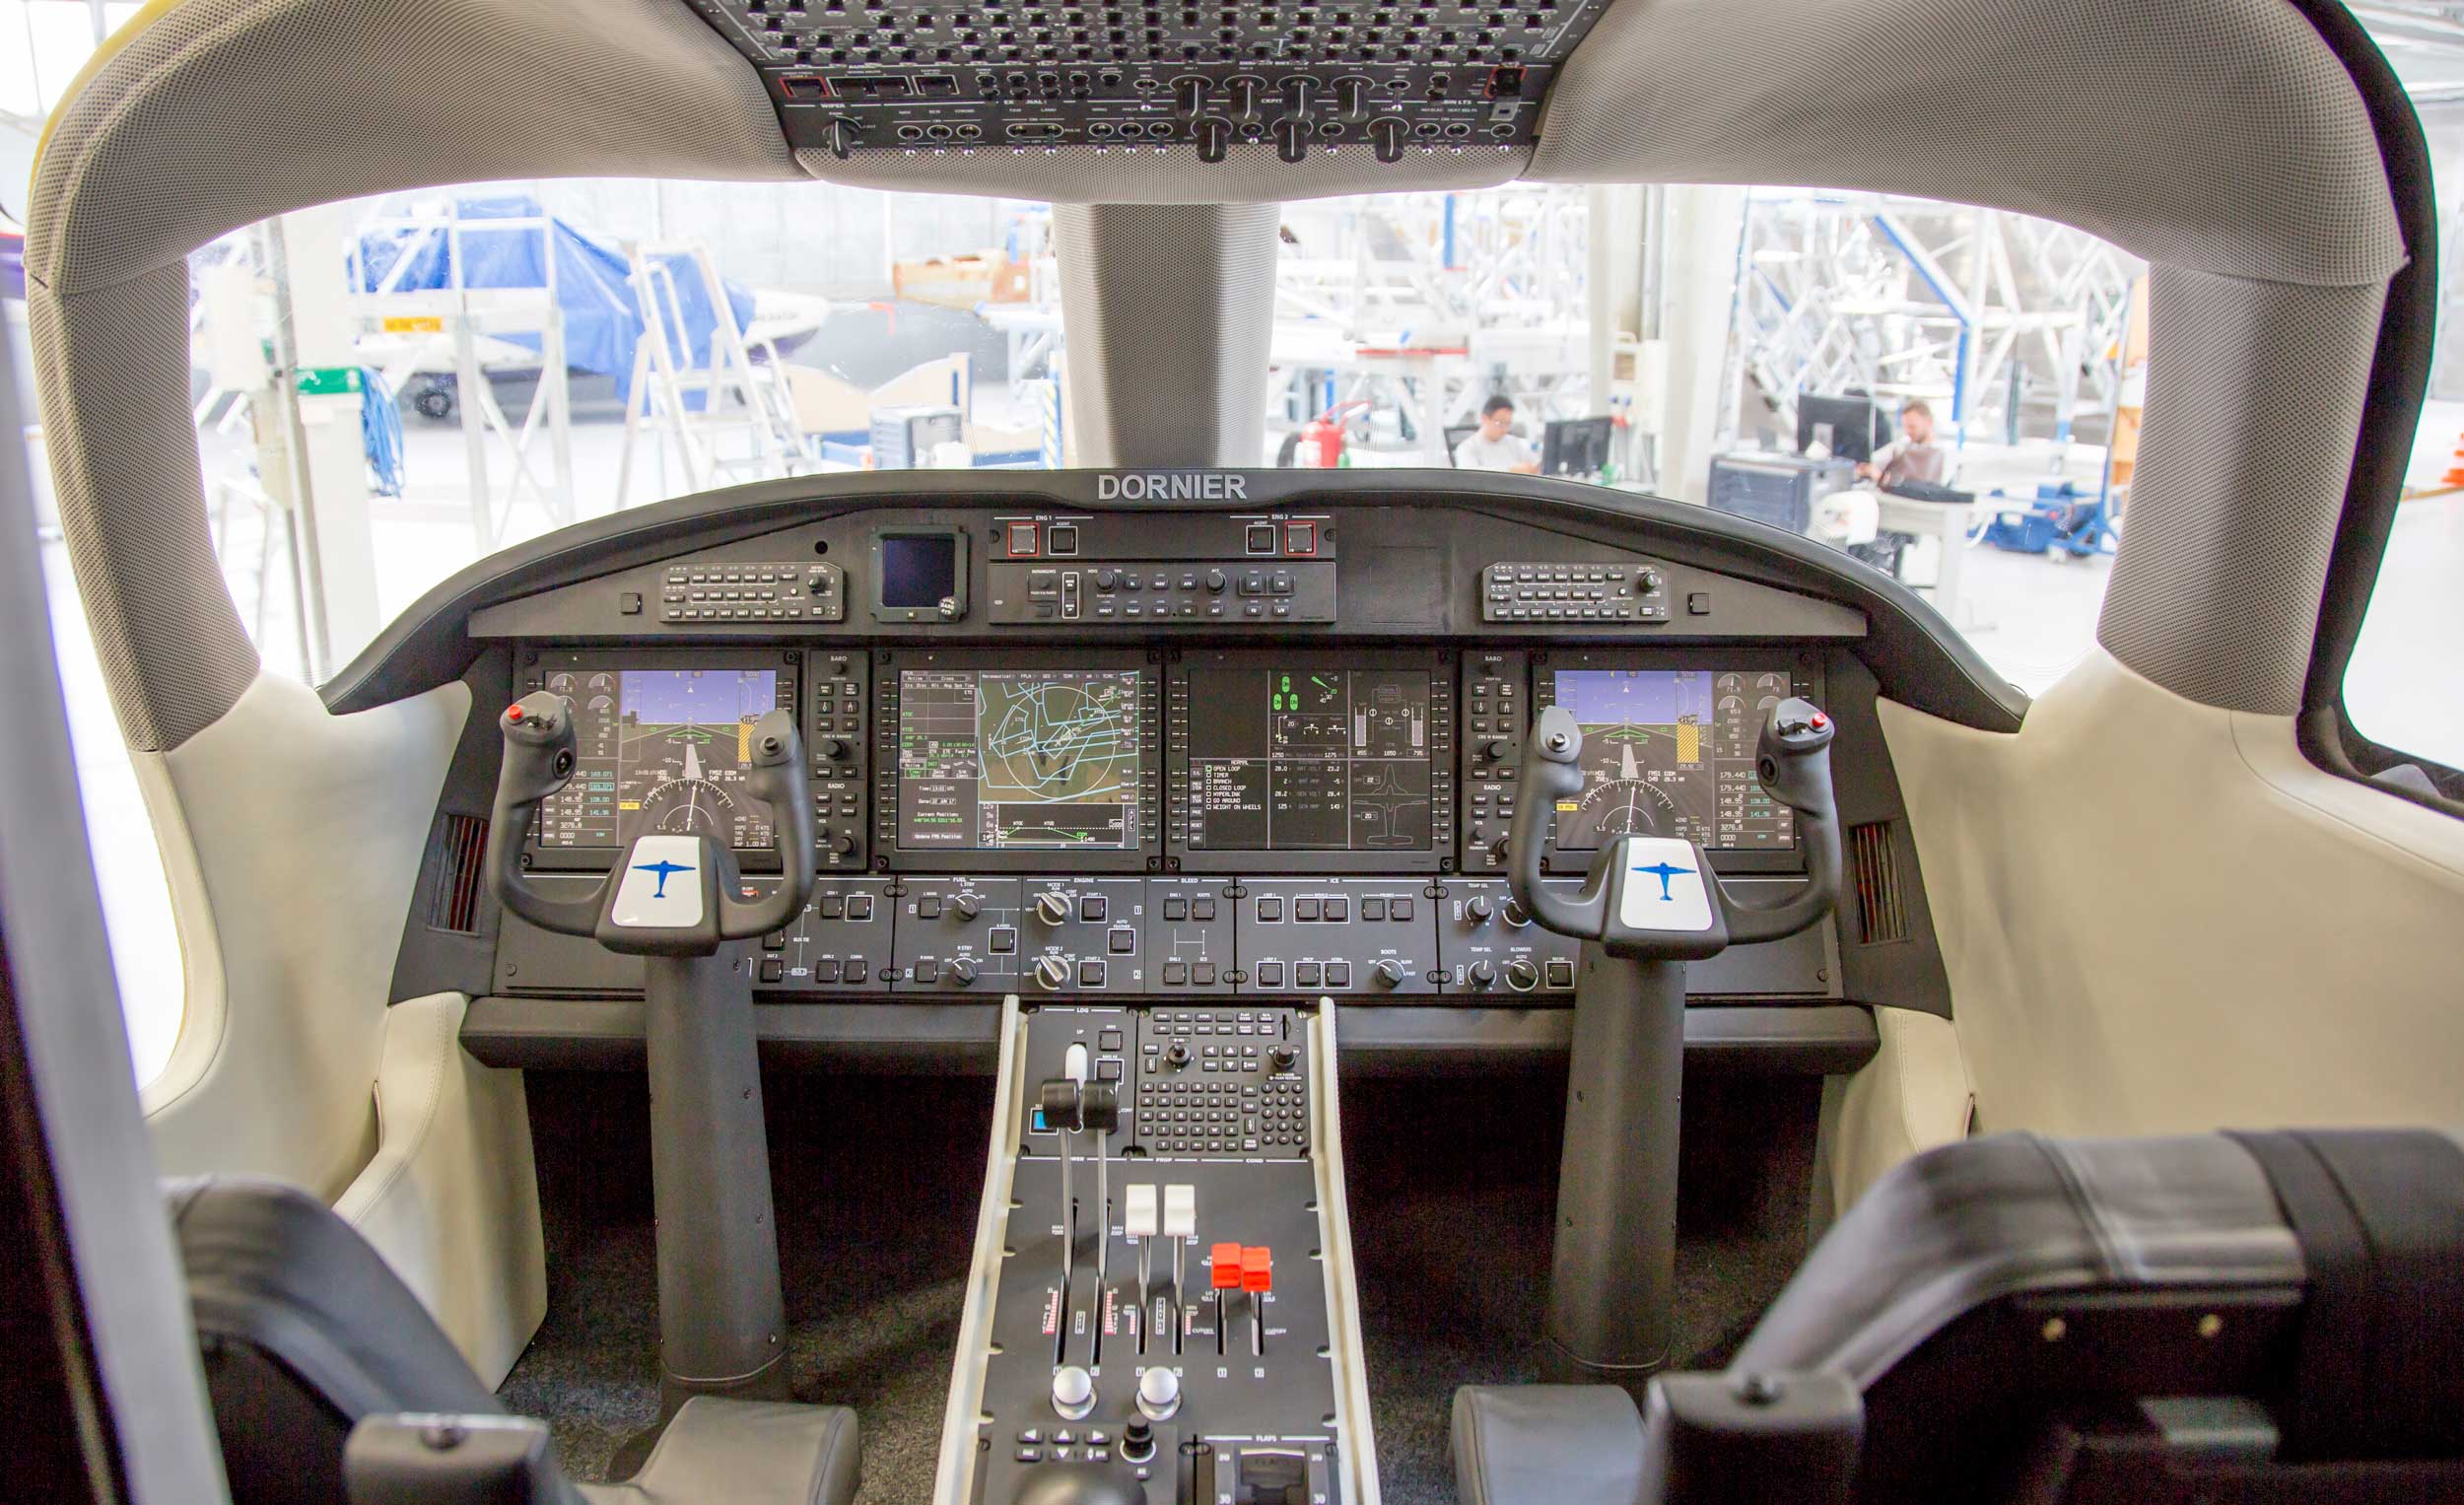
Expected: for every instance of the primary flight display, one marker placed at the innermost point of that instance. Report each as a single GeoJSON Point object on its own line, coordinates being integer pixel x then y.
{"type": "Point", "coordinates": [662, 750]}
{"type": "Point", "coordinates": [1310, 760]}
{"type": "Point", "coordinates": [1018, 759]}
{"type": "Point", "coordinates": [1671, 752]}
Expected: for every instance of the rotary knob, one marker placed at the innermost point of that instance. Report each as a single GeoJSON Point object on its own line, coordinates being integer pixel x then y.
{"type": "Point", "coordinates": [1386, 135]}
{"type": "Point", "coordinates": [1176, 1056]}
{"type": "Point", "coordinates": [1051, 973]}
{"type": "Point", "coordinates": [837, 749]}
{"type": "Point", "coordinates": [1649, 581]}
{"type": "Point", "coordinates": [1495, 749]}
{"type": "Point", "coordinates": [1216, 580]}
{"type": "Point", "coordinates": [842, 136]}
{"type": "Point", "coordinates": [1244, 95]}
{"type": "Point", "coordinates": [1106, 580]}
{"type": "Point", "coordinates": [1483, 974]}
{"type": "Point", "coordinates": [1516, 915]}
{"type": "Point", "coordinates": [1074, 1392]}
{"type": "Point", "coordinates": [1299, 93]}
{"type": "Point", "coordinates": [1159, 1394]}
{"type": "Point", "coordinates": [963, 971]}
{"type": "Point", "coordinates": [1052, 907]}
{"type": "Point", "coordinates": [1520, 975]}
{"type": "Point", "coordinates": [967, 905]}
{"type": "Point", "coordinates": [1351, 98]}
{"type": "Point", "coordinates": [1291, 138]}
{"type": "Point", "coordinates": [1282, 1058]}
{"type": "Point", "coordinates": [1214, 138]}
{"type": "Point", "coordinates": [1189, 97]}
{"type": "Point", "coordinates": [1388, 972]}
{"type": "Point", "coordinates": [843, 846]}
{"type": "Point", "coordinates": [1478, 909]}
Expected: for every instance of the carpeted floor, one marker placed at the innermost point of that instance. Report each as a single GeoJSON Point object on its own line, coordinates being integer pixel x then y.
{"type": "Point", "coordinates": [1452, 1185]}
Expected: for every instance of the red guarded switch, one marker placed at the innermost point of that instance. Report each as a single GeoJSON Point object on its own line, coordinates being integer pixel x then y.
{"type": "Point", "coordinates": [1256, 1270]}
{"type": "Point", "coordinates": [1226, 1267]}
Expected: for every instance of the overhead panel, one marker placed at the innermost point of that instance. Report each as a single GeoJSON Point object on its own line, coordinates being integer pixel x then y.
{"type": "Point", "coordinates": [1384, 79]}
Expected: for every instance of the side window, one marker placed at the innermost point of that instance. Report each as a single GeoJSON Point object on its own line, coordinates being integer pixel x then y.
{"type": "Point", "coordinates": [2398, 683]}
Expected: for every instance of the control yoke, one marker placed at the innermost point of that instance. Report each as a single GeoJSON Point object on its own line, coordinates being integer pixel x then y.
{"type": "Point", "coordinates": [674, 900]}
{"type": "Point", "coordinates": [1794, 761]}
{"type": "Point", "coordinates": [538, 732]}
{"type": "Point", "coordinates": [1651, 905]}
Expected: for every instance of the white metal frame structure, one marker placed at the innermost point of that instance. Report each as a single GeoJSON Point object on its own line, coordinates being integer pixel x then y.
{"type": "Point", "coordinates": [698, 405]}
{"type": "Point", "coordinates": [2006, 324]}
{"type": "Point", "coordinates": [459, 323]}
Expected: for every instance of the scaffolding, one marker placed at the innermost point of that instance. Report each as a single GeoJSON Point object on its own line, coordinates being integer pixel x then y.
{"type": "Point", "coordinates": [722, 414]}
{"type": "Point", "coordinates": [2010, 327]}
{"type": "Point", "coordinates": [1421, 305]}
{"type": "Point", "coordinates": [469, 331]}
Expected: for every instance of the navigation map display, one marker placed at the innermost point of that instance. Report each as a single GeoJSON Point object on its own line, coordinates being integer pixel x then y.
{"type": "Point", "coordinates": [1671, 752]}
{"type": "Point", "coordinates": [662, 750]}
{"type": "Point", "coordinates": [1007, 760]}
{"type": "Point", "coordinates": [1309, 759]}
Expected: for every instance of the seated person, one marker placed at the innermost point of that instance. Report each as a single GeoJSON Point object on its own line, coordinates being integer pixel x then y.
{"type": "Point", "coordinates": [1914, 458]}
{"type": "Point", "coordinates": [1493, 446]}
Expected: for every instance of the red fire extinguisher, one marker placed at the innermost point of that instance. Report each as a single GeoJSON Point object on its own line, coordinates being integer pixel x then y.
{"type": "Point", "coordinates": [1321, 445]}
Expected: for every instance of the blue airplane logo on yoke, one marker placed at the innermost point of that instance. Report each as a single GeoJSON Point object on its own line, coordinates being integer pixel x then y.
{"type": "Point", "coordinates": [664, 870]}
{"type": "Point", "coordinates": [1664, 872]}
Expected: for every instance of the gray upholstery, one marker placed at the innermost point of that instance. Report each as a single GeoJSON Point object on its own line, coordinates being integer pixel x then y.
{"type": "Point", "coordinates": [745, 1450]}
{"type": "Point", "coordinates": [2268, 173]}
{"type": "Point", "coordinates": [224, 112]}
{"type": "Point", "coordinates": [1168, 345]}
{"type": "Point", "coordinates": [304, 1330]}
{"type": "Point", "coordinates": [2226, 135]}
{"type": "Point", "coordinates": [1546, 1445]}
{"type": "Point", "coordinates": [2254, 400]}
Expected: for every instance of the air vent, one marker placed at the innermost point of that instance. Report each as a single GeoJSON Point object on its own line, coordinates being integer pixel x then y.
{"type": "Point", "coordinates": [1882, 917]}
{"type": "Point", "coordinates": [462, 851]}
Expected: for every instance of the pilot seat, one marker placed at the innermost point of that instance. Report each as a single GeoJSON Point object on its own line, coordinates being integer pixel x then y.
{"type": "Point", "coordinates": [305, 1332]}
{"type": "Point", "coordinates": [2226, 1317]}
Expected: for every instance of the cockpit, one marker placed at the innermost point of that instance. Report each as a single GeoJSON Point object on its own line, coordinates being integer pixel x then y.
{"type": "Point", "coordinates": [1469, 959]}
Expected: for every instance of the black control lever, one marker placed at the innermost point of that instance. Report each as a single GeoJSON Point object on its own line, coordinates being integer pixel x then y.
{"type": "Point", "coordinates": [539, 735]}
{"type": "Point", "coordinates": [673, 901]}
{"type": "Point", "coordinates": [1650, 906]}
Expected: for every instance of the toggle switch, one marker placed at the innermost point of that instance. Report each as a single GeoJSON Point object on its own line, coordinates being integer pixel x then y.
{"type": "Point", "coordinates": [1351, 98]}
{"type": "Point", "coordinates": [1214, 138]}
{"type": "Point", "coordinates": [1189, 95]}
{"type": "Point", "coordinates": [1291, 138]}
{"type": "Point", "coordinates": [1386, 135]}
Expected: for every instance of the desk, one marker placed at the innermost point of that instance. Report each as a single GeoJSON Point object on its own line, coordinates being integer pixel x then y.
{"type": "Point", "coordinates": [1946, 523]}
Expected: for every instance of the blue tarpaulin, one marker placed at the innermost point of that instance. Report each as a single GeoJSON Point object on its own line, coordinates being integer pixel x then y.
{"type": "Point", "coordinates": [603, 324]}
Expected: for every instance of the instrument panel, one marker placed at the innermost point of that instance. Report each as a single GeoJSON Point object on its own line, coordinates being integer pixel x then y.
{"type": "Point", "coordinates": [1229, 751]}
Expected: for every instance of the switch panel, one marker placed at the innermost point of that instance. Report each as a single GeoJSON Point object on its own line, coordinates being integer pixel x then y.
{"type": "Point", "coordinates": [959, 936]}
{"type": "Point", "coordinates": [840, 943]}
{"type": "Point", "coordinates": [1372, 76]}
{"type": "Point", "coordinates": [1489, 949]}
{"type": "Point", "coordinates": [836, 745]}
{"type": "Point", "coordinates": [1081, 935]}
{"type": "Point", "coordinates": [1496, 713]}
{"type": "Point", "coordinates": [1366, 936]}
{"type": "Point", "coordinates": [1189, 930]}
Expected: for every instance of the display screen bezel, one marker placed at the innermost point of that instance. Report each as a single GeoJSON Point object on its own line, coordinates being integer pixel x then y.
{"type": "Point", "coordinates": [889, 667]}
{"type": "Point", "coordinates": [536, 669]}
{"type": "Point", "coordinates": [1804, 677]}
{"type": "Point", "coordinates": [1439, 664]}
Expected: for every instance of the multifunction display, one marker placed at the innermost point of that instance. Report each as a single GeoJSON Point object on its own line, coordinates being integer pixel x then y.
{"type": "Point", "coordinates": [994, 760]}
{"type": "Point", "coordinates": [1311, 759]}
{"type": "Point", "coordinates": [1671, 752]}
{"type": "Point", "coordinates": [661, 750]}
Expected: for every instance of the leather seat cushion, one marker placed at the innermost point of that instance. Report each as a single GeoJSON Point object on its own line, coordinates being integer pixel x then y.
{"type": "Point", "coordinates": [1546, 1445]}
{"type": "Point", "coordinates": [745, 1450]}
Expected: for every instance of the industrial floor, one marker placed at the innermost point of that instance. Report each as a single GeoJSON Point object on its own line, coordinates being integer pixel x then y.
{"type": "Point", "coordinates": [878, 1181]}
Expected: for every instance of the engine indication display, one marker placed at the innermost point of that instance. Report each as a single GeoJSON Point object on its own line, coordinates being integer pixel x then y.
{"type": "Point", "coordinates": [661, 750]}
{"type": "Point", "coordinates": [1008, 759]}
{"type": "Point", "coordinates": [1671, 752]}
{"type": "Point", "coordinates": [1310, 759]}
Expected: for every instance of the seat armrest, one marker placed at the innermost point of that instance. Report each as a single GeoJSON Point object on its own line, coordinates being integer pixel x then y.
{"type": "Point", "coordinates": [1785, 1439]}
{"type": "Point", "coordinates": [1546, 1445]}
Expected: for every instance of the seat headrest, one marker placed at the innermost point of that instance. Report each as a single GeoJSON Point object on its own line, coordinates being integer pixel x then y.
{"type": "Point", "coordinates": [2010, 1214]}
{"type": "Point", "coordinates": [274, 1268]}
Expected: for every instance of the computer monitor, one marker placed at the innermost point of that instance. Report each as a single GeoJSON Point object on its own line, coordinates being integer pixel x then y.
{"type": "Point", "coordinates": [1575, 446]}
{"type": "Point", "coordinates": [1454, 440]}
{"type": "Point", "coordinates": [1857, 424]}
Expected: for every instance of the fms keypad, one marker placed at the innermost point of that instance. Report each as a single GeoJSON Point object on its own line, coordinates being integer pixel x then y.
{"type": "Point", "coordinates": [1221, 1083]}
